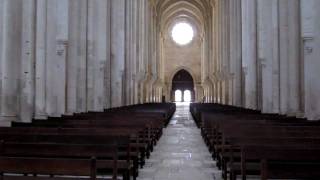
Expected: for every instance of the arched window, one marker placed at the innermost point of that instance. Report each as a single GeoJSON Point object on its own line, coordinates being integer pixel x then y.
{"type": "Point", "coordinates": [187, 96]}
{"type": "Point", "coordinates": [178, 96]}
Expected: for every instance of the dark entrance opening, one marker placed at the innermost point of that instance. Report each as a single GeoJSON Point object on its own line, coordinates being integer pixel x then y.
{"type": "Point", "coordinates": [182, 83]}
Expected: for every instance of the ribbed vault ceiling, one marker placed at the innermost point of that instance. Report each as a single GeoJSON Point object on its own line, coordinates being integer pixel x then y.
{"type": "Point", "coordinates": [194, 11]}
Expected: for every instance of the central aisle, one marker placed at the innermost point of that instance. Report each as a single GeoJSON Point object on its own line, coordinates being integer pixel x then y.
{"type": "Point", "coordinates": [181, 153]}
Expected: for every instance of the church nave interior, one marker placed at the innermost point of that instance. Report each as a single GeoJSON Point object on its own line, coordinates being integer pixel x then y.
{"type": "Point", "coordinates": [240, 73]}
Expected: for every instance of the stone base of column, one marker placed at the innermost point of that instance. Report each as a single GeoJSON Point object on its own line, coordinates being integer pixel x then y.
{"type": "Point", "coordinates": [300, 115]}
{"type": "Point", "coordinates": [68, 114]}
{"type": "Point", "coordinates": [41, 117]}
{"type": "Point", "coordinates": [5, 121]}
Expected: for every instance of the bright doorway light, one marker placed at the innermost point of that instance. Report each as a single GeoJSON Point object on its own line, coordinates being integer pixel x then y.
{"type": "Point", "coordinates": [187, 96]}
{"type": "Point", "coordinates": [178, 96]}
{"type": "Point", "coordinates": [182, 33]}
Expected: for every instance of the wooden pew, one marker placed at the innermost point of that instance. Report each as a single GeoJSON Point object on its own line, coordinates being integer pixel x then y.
{"type": "Point", "coordinates": [54, 168]}
{"type": "Point", "coordinates": [152, 132]}
{"type": "Point", "coordinates": [141, 124]}
{"type": "Point", "coordinates": [231, 154]}
{"type": "Point", "coordinates": [226, 129]}
{"type": "Point", "coordinates": [240, 134]}
{"type": "Point", "coordinates": [106, 155]}
{"type": "Point", "coordinates": [281, 161]}
{"type": "Point", "coordinates": [121, 142]}
{"type": "Point", "coordinates": [136, 143]}
{"type": "Point", "coordinates": [146, 131]}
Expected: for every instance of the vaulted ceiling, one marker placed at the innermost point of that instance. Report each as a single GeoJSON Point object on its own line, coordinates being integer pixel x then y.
{"type": "Point", "coordinates": [197, 12]}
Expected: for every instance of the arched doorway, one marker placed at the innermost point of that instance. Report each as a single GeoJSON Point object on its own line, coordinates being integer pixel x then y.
{"type": "Point", "coordinates": [183, 82]}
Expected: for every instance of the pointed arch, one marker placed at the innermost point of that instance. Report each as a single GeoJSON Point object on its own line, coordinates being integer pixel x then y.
{"type": "Point", "coordinates": [183, 81]}
{"type": "Point", "coordinates": [186, 69]}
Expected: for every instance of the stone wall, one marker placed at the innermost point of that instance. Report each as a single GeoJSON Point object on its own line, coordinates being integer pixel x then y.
{"type": "Point", "coordinates": [66, 56]}
{"type": "Point", "coordinates": [273, 63]}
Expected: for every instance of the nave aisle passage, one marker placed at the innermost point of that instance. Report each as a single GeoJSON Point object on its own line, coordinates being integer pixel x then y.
{"type": "Point", "coordinates": [181, 153]}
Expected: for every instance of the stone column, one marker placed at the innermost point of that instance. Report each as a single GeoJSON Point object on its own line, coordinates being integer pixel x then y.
{"type": "Point", "coordinates": [217, 49]}
{"type": "Point", "coordinates": [147, 52]}
{"type": "Point", "coordinates": [275, 62]}
{"type": "Point", "coordinates": [220, 44]}
{"type": "Point", "coordinates": [130, 62]}
{"type": "Point", "coordinates": [117, 51]}
{"type": "Point", "coordinates": [223, 51]}
{"type": "Point", "coordinates": [135, 41]}
{"type": "Point", "coordinates": [290, 57]}
{"type": "Point", "coordinates": [221, 35]}
{"type": "Point", "coordinates": [10, 60]}
{"type": "Point", "coordinates": [133, 51]}
{"type": "Point", "coordinates": [27, 70]}
{"type": "Point", "coordinates": [284, 39]}
{"type": "Point", "coordinates": [210, 53]}
{"type": "Point", "coordinates": [311, 34]}
{"type": "Point", "coordinates": [72, 63]}
{"type": "Point", "coordinates": [142, 66]}
{"type": "Point", "coordinates": [107, 72]}
{"type": "Point", "coordinates": [228, 82]}
{"type": "Point", "coordinates": [294, 57]}
{"type": "Point", "coordinates": [151, 58]}
{"type": "Point", "coordinates": [229, 73]}
{"type": "Point", "coordinates": [238, 55]}
{"type": "Point", "coordinates": [233, 44]}
{"type": "Point", "coordinates": [268, 51]}
{"type": "Point", "coordinates": [56, 48]}
{"type": "Point", "coordinates": [96, 54]}
{"type": "Point", "coordinates": [77, 57]}
{"type": "Point", "coordinates": [139, 73]}
{"type": "Point", "coordinates": [40, 64]}
{"type": "Point", "coordinates": [249, 52]}
{"type": "Point", "coordinates": [1, 50]}
{"type": "Point", "coordinates": [128, 55]}
{"type": "Point", "coordinates": [60, 78]}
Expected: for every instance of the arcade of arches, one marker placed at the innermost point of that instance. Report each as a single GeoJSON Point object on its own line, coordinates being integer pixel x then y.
{"type": "Point", "coordinates": [66, 56]}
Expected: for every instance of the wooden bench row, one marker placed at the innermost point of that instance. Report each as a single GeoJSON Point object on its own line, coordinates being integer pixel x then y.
{"type": "Point", "coordinates": [246, 142]}
{"type": "Point", "coordinates": [93, 145]}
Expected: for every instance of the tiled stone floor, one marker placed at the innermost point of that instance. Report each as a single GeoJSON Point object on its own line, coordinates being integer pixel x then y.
{"type": "Point", "coordinates": [181, 153]}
